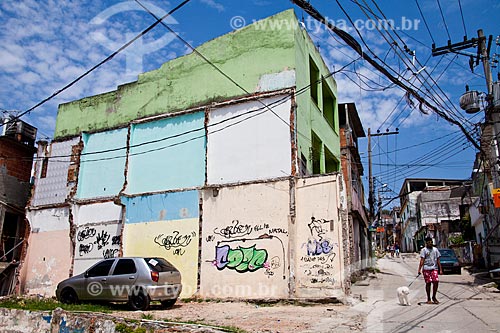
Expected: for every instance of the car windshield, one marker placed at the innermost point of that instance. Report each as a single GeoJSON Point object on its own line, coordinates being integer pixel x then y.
{"type": "Point", "coordinates": [159, 264]}
{"type": "Point", "coordinates": [447, 253]}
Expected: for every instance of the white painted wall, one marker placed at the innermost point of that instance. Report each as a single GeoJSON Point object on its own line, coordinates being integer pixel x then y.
{"type": "Point", "coordinates": [94, 243]}
{"type": "Point", "coordinates": [95, 213]}
{"type": "Point", "coordinates": [256, 148]}
{"type": "Point", "coordinates": [98, 233]}
{"type": "Point", "coordinates": [247, 226]}
{"type": "Point", "coordinates": [52, 219]}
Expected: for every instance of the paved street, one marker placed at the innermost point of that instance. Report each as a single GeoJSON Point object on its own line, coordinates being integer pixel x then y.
{"type": "Point", "coordinates": [464, 306]}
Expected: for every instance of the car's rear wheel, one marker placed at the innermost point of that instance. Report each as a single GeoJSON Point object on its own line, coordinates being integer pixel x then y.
{"type": "Point", "coordinates": [168, 303]}
{"type": "Point", "coordinates": [68, 296]}
{"type": "Point", "coordinates": [139, 300]}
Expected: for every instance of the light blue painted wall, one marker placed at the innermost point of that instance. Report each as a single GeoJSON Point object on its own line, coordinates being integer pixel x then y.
{"type": "Point", "coordinates": [162, 207]}
{"type": "Point", "coordinates": [102, 175]}
{"type": "Point", "coordinates": [162, 159]}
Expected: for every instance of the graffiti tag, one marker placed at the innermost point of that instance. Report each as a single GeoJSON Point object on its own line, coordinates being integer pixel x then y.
{"type": "Point", "coordinates": [109, 253]}
{"type": "Point", "coordinates": [85, 248]}
{"type": "Point", "coordinates": [98, 240]}
{"type": "Point", "coordinates": [234, 230]}
{"type": "Point", "coordinates": [86, 233]}
{"type": "Point", "coordinates": [102, 239]}
{"type": "Point", "coordinates": [175, 240]}
{"type": "Point", "coordinates": [116, 240]}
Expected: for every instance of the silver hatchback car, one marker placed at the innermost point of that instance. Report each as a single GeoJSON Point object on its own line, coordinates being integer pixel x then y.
{"type": "Point", "coordinates": [136, 280]}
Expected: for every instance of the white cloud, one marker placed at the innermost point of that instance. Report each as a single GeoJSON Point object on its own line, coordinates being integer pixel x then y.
{"type": "Point", "coordinates": [211, 3]}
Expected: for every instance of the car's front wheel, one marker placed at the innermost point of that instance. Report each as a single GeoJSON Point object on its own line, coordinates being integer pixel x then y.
{"type": "Point", "coordinates": [68, 296]}
{"type": "Point", "coordinates": [139, 300]}
{"type": "Point", "coordinates": [168, 303]}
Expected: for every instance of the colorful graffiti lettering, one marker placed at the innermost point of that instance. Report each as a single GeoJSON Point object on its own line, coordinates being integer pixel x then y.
{"type": "Point", "coordinates": [316, 248]}
{"type": "Point", "coordinates": [86, 233]}
{"type": "Point", "coordinates": [242, 259]}
{"type": "Point", "coordinates": [317, 245]}
{"type": "Point", "coordinates": [234, 230]}
{"type": "Point", "coordinates": [176, 239]}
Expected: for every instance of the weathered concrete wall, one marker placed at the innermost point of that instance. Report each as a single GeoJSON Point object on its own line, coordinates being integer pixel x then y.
{"type": "Point", "coordinates": [245, 241]}
{"type": "Point", "coordinates": [189, 81]}
{"type": "Point", "coordinates": [98, 229]}
{"type": "Point", "coordinates": [318, 249]}
{"type": "Point", "coordinates": [102, 174]}
{"type": "Point", "coordinates": [258, 148]}
{"type": "Point", "coordinates": [435, 212]}
{"type": "Point", "coordinates": [23, 321]}
{"type": "Point", "coordinates": [167, 154]}
{"type": "Point", "coordinates": [55, 187]}
{"type": "Point", "coordinates": [165, 225]}
{"type": "Point", "coordinates": [49, 251]}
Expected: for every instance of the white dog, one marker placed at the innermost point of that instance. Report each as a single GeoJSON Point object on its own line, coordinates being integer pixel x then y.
{"type": "Point", "coordinates": [403, 293]}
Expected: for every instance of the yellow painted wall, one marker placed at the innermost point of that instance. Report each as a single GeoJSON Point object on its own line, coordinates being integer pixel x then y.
{"type": "Point", "coordinates": [176, 241]}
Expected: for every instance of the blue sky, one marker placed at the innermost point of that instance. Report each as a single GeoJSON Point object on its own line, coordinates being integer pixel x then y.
{"type": "Point", "coordinates": [47, 44]}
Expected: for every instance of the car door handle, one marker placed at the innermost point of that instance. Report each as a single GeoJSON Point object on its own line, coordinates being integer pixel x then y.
{"type": "Point", "coordinates": [131, 277]}
{"type": "Point", "coordinates": [104, 280]}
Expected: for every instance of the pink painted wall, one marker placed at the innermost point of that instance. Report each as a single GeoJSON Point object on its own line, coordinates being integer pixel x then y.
{"type": "Point", "coordinates": [47, 263]}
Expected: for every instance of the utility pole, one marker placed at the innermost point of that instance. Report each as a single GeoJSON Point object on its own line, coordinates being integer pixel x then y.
{"type": "Point", "coordinates": [371, 194]}
{"type": "Point", "coordinates": [492, 119]}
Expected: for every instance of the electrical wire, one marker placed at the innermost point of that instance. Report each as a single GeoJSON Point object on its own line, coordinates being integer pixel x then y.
{"type": "Point", "coordinates": [258, 111]}
{"type": "Point", "coordinates": [444, 21]}
{"type": "Point", "coordinates": [462, 14]}
{"type": "Point", "coordinates": [406, 49]}
{"type": "Point", "coordinates": [425, 21]}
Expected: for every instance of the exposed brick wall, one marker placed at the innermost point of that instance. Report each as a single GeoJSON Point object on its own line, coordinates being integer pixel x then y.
{"type": "Point", "coordinates": [17, 158]}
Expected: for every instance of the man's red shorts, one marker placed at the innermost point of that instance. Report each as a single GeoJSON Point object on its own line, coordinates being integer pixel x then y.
{"type": "Point", "coordinates": [431, 276]}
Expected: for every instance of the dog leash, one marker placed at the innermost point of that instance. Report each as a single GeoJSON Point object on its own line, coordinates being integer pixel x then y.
{"type": "Point", "coordinates": [414, 280]}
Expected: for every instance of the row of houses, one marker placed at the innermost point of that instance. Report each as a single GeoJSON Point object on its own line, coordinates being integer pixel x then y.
{"type": "Point", "coordinates": [251, 190]}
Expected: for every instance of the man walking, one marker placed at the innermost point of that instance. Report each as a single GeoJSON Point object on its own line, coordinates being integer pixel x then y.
{"type": "Point", "coordinates": [429, 261]}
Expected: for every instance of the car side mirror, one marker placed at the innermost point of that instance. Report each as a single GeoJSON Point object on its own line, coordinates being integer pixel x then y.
{"type": "Point", "coordinates": [86, 275]}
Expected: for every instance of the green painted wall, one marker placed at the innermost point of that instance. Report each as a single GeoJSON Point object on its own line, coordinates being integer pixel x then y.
{"type": "Point", "coordinates": [309, 115]}
{"type": "Point", "coordinates": [244, 55]}
{"type": "Point", "coordinates": [265, 47]}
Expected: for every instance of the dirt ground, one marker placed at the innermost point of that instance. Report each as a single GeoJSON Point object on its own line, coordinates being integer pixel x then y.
{"type": "Point", "coordinates": [303, 317]}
